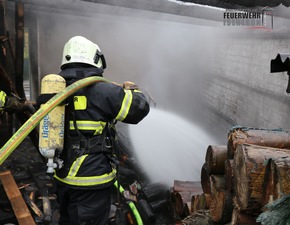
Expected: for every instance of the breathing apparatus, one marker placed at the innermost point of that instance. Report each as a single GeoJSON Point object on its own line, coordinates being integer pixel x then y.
{"type": "Point", "coordinates": [51, 128]}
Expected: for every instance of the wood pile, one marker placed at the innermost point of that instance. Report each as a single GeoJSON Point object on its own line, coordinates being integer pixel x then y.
{"type": "Point", "coordinates": [237, 180]}
{"type": "Point", "coordinates": [181, 203]}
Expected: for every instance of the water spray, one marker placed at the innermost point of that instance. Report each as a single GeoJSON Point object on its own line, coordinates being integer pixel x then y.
{"type": "Point", "coordinates": [169, 147]}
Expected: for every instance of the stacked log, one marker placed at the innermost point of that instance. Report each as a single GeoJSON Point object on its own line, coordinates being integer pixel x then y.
{"type": "Point", "coordinates": [241, 218]}
{"type": "Point", "coordinates": [215, 159]}
{"type": "Point", "coordinates": [199, 202]}
{"type": "Point", "coordinates": [254, 153]}
{"type": "Point", "coordinates": [181, 198]}
{"type": "Point", "coordinates": [229, 175]}
{"type": "Point", "coordinates": [277, 181]}
{"type": "Point", "coordinates": [221, 206]}
{"type": "Point", "coordinates": [261, 137]}
{"type": "Point", "coordinates": [205, 179]}
{"type": "Point", "coordinates": [240, 178]}
{"type": "Point", "coordinates": [250, 168]}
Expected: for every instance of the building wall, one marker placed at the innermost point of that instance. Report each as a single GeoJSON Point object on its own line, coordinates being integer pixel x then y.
{"type": "Point", "coordinates": [240, 90]}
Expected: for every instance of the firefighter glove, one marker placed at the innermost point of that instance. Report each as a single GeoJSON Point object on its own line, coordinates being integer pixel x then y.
{"type": "Point", "coordinates": [129, 85]}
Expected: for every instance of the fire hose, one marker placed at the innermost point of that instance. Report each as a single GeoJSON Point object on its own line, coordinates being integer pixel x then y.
{"type": "Point", "coordinates": [131, 204]}
{"type": "Point", "coordinates": [35, 119]}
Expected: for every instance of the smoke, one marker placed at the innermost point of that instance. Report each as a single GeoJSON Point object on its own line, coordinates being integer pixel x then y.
{"type": "Point", "coordinates": [168, 60]}
{"type": "Point", "coordinates": [165, 58]}
{"type": "Point", "coordinates": [169, 147]}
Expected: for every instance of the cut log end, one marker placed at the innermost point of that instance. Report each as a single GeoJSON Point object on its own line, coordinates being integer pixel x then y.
{"type": "Point", "coordinates": [241, 181]}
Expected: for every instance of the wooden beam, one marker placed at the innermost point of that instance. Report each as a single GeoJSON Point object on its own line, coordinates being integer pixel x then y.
{"type": "Point", "coordinates": [19, 48]}
{"type": "Point", "coordinates": [2, 21]}
{"type": "Point", "coordinates": [19, 206]}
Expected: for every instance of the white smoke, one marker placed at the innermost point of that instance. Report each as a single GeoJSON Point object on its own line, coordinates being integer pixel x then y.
{"type": "Point", "coordinates": [169, 148]}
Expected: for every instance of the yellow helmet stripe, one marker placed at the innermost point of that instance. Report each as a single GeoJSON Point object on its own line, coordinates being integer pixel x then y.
{"type": "Point", "coordinates": [126, 104]}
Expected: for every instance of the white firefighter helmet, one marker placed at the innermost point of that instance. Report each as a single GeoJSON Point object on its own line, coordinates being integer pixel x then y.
{"type": "Point", "coordinates": [81, 50]}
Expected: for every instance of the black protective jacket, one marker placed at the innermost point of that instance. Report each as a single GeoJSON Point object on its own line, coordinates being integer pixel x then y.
{"type": "Point", "coordinates": [92, 111]}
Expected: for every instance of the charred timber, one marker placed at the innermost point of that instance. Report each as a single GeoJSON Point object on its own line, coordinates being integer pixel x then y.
{"type": "Point", "coordinates": [178, 203]}
{"type": "Point", "coordinates": [146, 211]}
{"type": "Point", "coordinates": [156, 195]}
{"type": "Point", "coordinates": [159, 205]}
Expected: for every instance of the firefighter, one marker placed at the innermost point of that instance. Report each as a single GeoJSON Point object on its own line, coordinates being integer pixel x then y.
{"type": "Point", "coordinates": [83, 184]}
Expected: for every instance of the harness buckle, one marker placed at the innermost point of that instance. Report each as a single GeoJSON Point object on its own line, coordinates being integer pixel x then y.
{"type": "Point", "coordinates": [108, 143]}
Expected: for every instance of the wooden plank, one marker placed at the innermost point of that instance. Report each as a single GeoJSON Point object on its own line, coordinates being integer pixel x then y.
{"type": "Point", "coordinates": [19, 206]}
{"type": "Point", "coordinates": [34, 207]}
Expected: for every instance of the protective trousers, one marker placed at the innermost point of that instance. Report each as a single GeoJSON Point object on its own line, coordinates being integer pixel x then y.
{"type": "Point", "coordinates": [83, 207]}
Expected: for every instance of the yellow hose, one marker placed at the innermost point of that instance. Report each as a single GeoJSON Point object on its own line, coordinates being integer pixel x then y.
{"type": "Point", "coordinates": [35, 119]}
{"type": "Point", "coordinates": [131, 204]}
